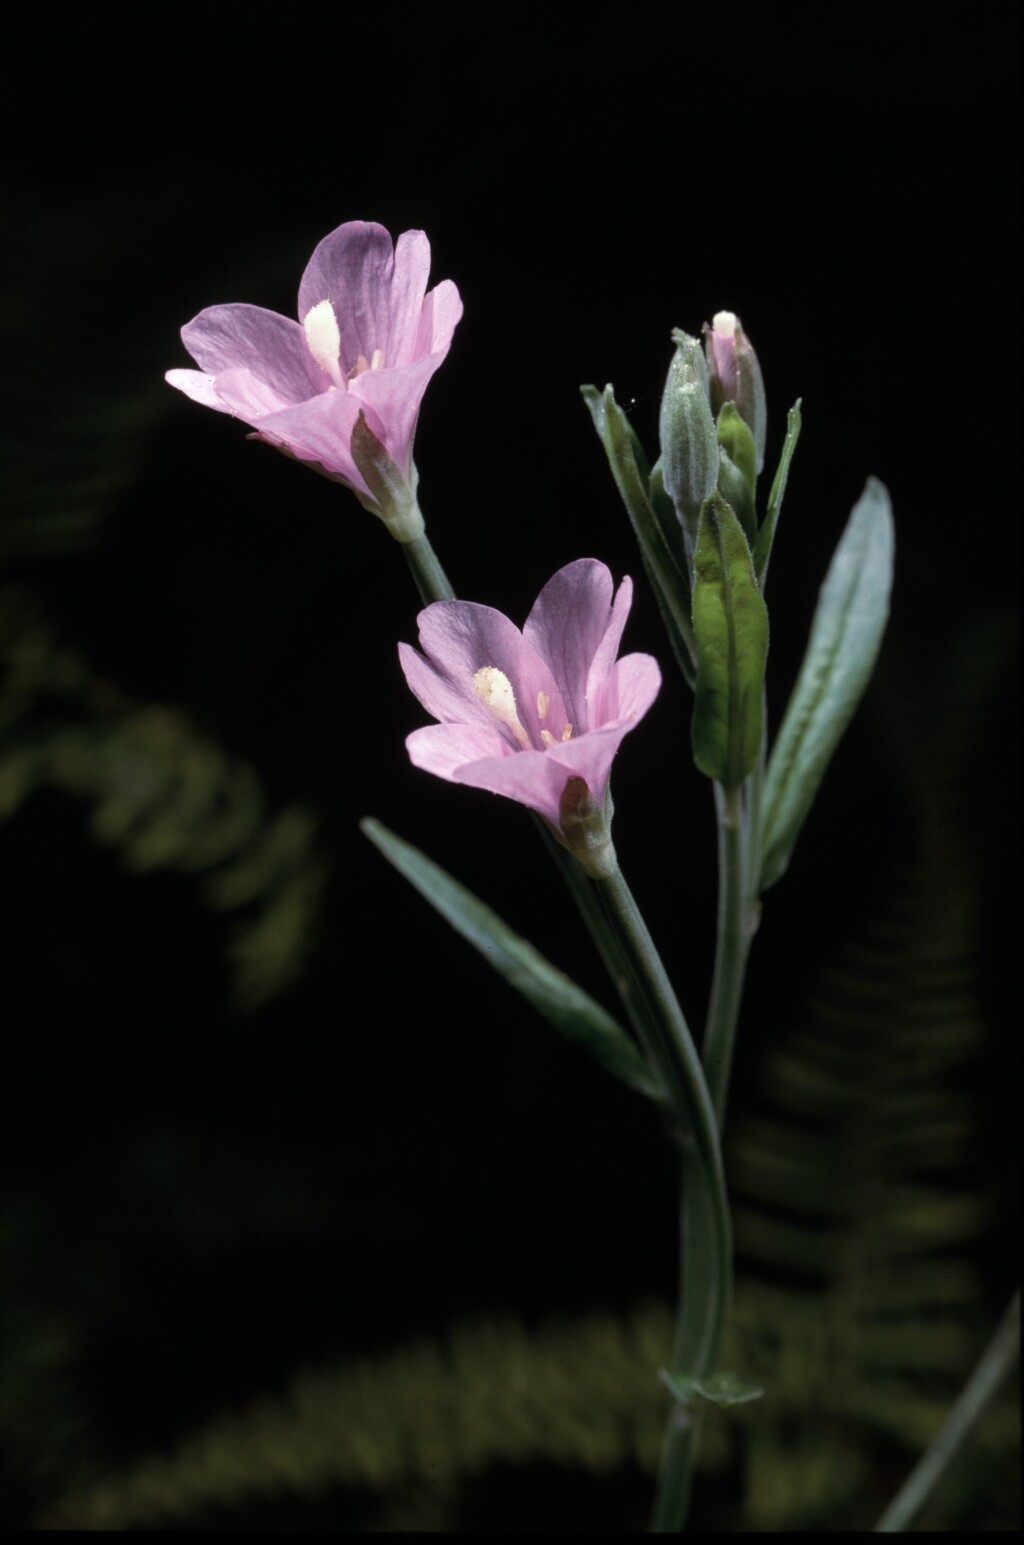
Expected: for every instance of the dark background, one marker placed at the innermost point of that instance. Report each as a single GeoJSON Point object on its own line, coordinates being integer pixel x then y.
{"type": "Point", "coordinates": [204, 1199]}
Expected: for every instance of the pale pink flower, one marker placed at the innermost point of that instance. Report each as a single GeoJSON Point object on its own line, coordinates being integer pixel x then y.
{"type": "Point", "coordinates": [521, 713]}
{"type": "Point", "coordinates": [368, 339]}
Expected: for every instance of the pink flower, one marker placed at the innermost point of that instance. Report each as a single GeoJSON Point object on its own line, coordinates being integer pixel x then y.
{"type": "Point", "coordinates": [521, 713]}
{"type": "Point", "coordinates": [368, 339]}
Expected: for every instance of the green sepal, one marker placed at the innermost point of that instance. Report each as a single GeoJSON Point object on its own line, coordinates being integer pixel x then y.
{"type": "Point", "coordinates": [664, 569]}
{"type": "Point", "coordinates": [722, 1389]}
{"type": "Point", "coordinates": [550, 991]}
{"type": "Point", "coordinates": [737, 468]}
{"type": "Point", "coordinates": [766, 535]}
{"type": "Point", "coordinates": [730, 622]}
{"type": "Point", "coordinates": [846, 634]}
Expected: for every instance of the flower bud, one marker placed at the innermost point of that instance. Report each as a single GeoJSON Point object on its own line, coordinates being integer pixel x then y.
{"type": "Point", "coordinates": [736, 375]}
{"type": "Point", "coordinates": [689, 444]}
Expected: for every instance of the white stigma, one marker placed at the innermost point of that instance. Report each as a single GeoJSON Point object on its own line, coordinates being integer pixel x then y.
{"type": "Point", "coordinates": [494, 690]}
{"type": "Point", "coordinates": [725, 322]}
{"type": "Point", "coordinates": [321, 328]}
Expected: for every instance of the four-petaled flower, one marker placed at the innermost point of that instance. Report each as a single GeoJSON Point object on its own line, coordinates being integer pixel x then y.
{"type": "Point", "coordinates": [367, 341]}
{"type": "Point", "coordinates": [522, 713]}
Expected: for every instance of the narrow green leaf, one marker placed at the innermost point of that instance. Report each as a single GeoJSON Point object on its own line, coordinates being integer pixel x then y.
{"type": "Point", "coordinates": [846, 635]}
{"type": "Point", "coordinates": [723, 1389]}
{"type": "Point", "coordinates": [730, 621]}
{"type": "Point", "coordinates": [766, 535]}
{"type": "Point", "coordinates": [566, 1006]}
{"type": "Point", "coordinates": [664, 569]}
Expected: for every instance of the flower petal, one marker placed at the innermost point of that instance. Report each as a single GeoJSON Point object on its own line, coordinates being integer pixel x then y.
{"type": "Point", "coordinates": [460, 637]}
{"type": "Point", "coordinates": [395, 396]}
{"type": "Point", "coordinates": [438, 319]}
{"type": "Point", "coordinates": [444, 749]}
{"type": "Point", "coordinates": [272, 347]}
{"type": "Point", "coordinates": [201, 388]}
{"type": "Point", "coordinates": [354, 269]}
{"type": "Point", "coordinates": [566, 626]}
{"type": "Point", "coordinates": [630, 688]}
{"type": "Point", "coordinates": [321, 430]}
{"type": "Point", "coordinates": [405, 308]}
{"type": "Point", "coordinates": [533, 778]}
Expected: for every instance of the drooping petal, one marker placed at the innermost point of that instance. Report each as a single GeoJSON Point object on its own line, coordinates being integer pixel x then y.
{"type": "Point", "coordinates": [568, 621]}
{"type": "Point", "coordinates": [272, 347]}
{"type": "Point", "coordinates": [438, 319]}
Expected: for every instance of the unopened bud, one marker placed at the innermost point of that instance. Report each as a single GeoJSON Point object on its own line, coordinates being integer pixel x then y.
{"type": "Point", "coordinates": [736, 375]}
{"type": "Point", "coordinates": [689, 444]}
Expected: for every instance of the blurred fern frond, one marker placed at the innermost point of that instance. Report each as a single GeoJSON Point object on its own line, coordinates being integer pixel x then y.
{"type": "Point", "coordinates": [162, 793]}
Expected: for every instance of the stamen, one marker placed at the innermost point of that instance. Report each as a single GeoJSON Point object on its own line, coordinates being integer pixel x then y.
{"type": "Point", "coordinates": [542, 705]}
{"type": "Point", "coordinates": [547, 737]}
{"type": "Point", "coordinates": [378, 360]}
{"type": "Point", "coordinates": [567, 732]}
{"type": "Point", "coordinates": [321, 328]}
{"type": "Point", "coordinates": [494, 690]}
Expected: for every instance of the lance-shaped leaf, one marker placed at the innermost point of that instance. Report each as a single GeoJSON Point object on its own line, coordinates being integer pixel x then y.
{"type": "Point", "coordinates": [661, 547]}
{"type": "Point", "coordinates": [556, 996]}
{"type": "Point", "coordinates": [846, 634]}
{"type": "Point", "coordinates": [730, 622]}
{"type": "Point", "coordinates": [766, 535]}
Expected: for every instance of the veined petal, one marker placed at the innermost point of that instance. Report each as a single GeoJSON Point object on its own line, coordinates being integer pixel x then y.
{"type": "Point", "coordinates": [607, 649]}
{"type": "Point", "coordinates": [321, 430]}
{"type": "Point", "coordinates": [201, 388]}
{"type": "Point", "coordinates": [438, 319]}
{"type": "Point", "coordinates": [444, 749]}
{"type": "Point", "coordinates": [395, 396]}
{"type": "Point", "coordinates": [534, 778]}
{"type": "Point", "coordinates": [450, 700]}
{"type": "Point", "coordinates": [251, 338]}
{"type": "Point", "coordinates": [629, 689]}
{"type": "Point", "coordinates": [405, 307]}
{"type": "Point", "coordinates": [461, 637]}
{"type": "Point", "coordinates": [353, 268]}
{"type": "Point", "coordinates": [247, 396]}
{"type": "Point", "coordinates": [568, 621]}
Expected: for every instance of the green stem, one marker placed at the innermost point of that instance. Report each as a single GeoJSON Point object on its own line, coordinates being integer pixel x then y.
{"type": "Point", "coordinates": [432, 582]}
{"type": "Point", "coordinates": [999, 1357]}
{"type": "Point", "coordinates": [705, 1270]}
{"type": "Point", "coordinates": [736, 925]}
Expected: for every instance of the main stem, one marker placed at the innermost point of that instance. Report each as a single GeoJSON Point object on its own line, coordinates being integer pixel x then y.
{"type": "Point", "coordinates": [705, 1243]}
{"type": "Point", "coordinates": [737, 822]}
